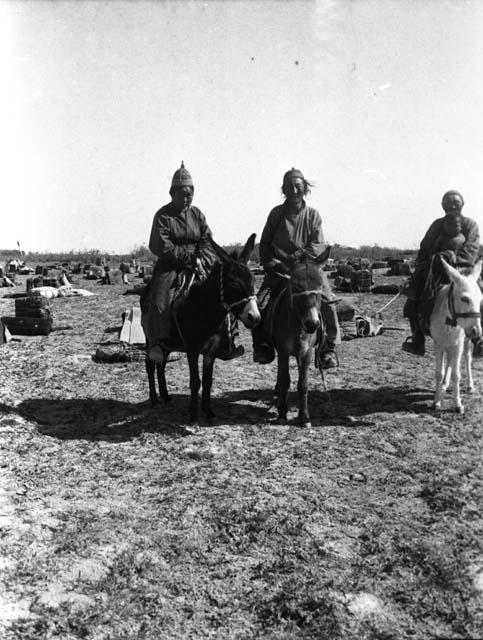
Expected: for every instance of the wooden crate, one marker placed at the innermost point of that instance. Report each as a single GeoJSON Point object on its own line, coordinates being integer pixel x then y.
{"type": "Point", "coordinates": [25, 326]}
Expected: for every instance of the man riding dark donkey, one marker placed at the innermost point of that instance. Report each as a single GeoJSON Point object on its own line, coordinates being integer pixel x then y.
{"type": "Point", "coordinates": [454, 237]}
{"type": "Point", "coordinates": [293, 231]}
{"type": "Point", "coordinates": [180, 238]}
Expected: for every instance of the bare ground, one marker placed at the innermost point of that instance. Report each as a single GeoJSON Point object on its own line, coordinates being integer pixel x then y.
{"type": "Point", "coordinates": [117, 524]}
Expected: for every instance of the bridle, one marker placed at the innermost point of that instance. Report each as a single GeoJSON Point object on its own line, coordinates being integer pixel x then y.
{"type": "Point", "coordinates": [230, 306]}
{"type": "Point", "coordinates": [454, 315]}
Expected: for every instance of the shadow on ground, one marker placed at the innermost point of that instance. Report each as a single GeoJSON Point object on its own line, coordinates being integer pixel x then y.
{"type": "Point", "coordinates": [107, 419]}
{"type": "Point", "coordinates": [342, 406]}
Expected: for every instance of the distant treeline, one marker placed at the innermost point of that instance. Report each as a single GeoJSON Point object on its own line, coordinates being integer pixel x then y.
{"type": "Point", "coordinates": [340, 252]}
{"type": "Point", "coordinates": [143, 254]}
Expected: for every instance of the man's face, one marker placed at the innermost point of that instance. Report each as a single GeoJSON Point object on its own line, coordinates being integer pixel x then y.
{"type": "Point", "coordinates": [294, 190]}
{"type": "Point", "coordinates": [182, 198]}
{"type": "Point", "coordinates": [453, 204]}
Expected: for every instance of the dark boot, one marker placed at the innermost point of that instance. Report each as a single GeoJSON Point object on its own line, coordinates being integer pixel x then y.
{"type": "Point", "coordinates": [478, 348]}
{"type": "Point", "coordinates": [415, 344]}
{"type": "Point", "coordinates": [328, 357]}
{"type": "Point", "coordinates": [227, 349]}
{"type": "Point", "coordinates": [263, 351]}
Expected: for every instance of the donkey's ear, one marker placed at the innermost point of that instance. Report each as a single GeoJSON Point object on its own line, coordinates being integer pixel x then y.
{"type": "Point", "coordinates": [323, 257]}
{"type": "Point", "coordinates": [451, 271]}
{"type": "Point", "coordinates": [476, 271]}
{"type": "Point", "coordinates": [248, 248]}
{"type": "Point", "coordinates": [219, 251]}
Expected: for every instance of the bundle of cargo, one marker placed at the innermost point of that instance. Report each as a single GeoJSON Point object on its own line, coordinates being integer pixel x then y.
{"type": "Point", "coordinates": [36, 281]}
{"type": "Point", "coordinates": [345, 270]}
{"type": "Point", "coordinates": [113, 276]}
{"type": "Point", "coordinates": [380, 264]}
{"type": "Point", "coordinates": [400, 269]}
{"type": "Point", "coordinates": [95, 273]}
{"type": "Point", "coordinates": [145, 270]}
{"type": "Point", "coordinates": [76, 267]}
{"type": "Point", "coordinates": [362, 280]}
{"type": "Point", "coordinates": [33, 317]}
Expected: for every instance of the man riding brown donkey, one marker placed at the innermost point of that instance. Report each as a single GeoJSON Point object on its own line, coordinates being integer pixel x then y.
{"type": "Point", "coordinates": [181, 240]}
{"type": "Point", "coordinates": [456, 238]}
{"type": "Point", "coordinates": [293, 231]}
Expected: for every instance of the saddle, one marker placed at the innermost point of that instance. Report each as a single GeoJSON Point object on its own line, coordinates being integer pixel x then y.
{"type": "Point", "coordinates": [421, 290]}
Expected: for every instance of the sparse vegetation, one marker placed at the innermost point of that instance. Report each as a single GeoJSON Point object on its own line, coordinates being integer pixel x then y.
{"type": "Point", "coordinates": [119, 526]}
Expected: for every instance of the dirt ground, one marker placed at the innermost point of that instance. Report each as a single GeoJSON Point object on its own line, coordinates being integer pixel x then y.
{"type": "Point", "coordinates": [116, 523]}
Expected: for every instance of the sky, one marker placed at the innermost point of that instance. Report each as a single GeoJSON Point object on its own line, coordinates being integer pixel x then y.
{"type": "Point", "coordinates": [378, 102]}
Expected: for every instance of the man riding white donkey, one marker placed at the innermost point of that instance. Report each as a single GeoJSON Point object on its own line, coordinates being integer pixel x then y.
{"type": "Point", "coordinates": [456, 239]}
{"type": "Point", "coordinates": [445, 302]}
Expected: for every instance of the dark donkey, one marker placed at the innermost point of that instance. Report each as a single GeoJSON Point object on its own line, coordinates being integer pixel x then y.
{"type": "Point", "coordinates": [228, 288]}
{"type": "Point", "coordinates": [296, 327]}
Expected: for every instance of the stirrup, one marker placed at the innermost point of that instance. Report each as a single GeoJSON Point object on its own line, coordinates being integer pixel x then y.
{"type": "Point", "coordinates": [237, 352]}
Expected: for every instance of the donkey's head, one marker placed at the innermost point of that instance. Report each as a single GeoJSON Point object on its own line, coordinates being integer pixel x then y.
{"type": "Point", "coordinates": [306, 285]}
{"type": "Point", "coordinates": [237, 290]}
{"type": "Point", "coordinates": [464, 299]}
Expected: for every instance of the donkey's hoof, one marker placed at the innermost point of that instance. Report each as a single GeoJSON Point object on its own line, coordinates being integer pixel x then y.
{"type": "Point", "coordinates": [437, 406]}
{"type": "Point", "coordinates": [460, 410]}
{"type": "Point", "coordinates": [470, 390]}
{"type": "Point", "coordinates": [191, 430]}
{"type": "Point", "coordinates": [305, 425]}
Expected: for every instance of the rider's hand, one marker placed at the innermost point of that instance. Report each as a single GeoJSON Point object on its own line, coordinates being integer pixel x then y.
{"type": "Point", "coordinates": [449, 256]}
{"type": "Point", "coordinates": [275, 266]}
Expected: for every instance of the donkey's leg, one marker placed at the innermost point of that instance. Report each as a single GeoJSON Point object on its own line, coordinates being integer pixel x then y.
{"type": "Point", "coordinates": [303, 362]}
{"type": "Point", "coordinates": [163, 389]}
{"type": "Point", "coordinates": [194, 384]}
{"type": "Point", "coordinates": [468, 358]}
{"type": "Point", "coordinates": [438, 374]}
{"type": "Point", "coordinates": [447, 372]}
{"type": "Point", "coordinates": [455, 359]}
{"type": "Point", "coordinates": [283, 384]}
{"type": "Point", "coordinates": [207, 381]}
{"type": "Point", "coordinates": [150, 367]}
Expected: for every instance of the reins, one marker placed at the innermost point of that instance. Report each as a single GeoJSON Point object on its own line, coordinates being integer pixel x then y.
{"type": "Point", "coordinates": [229, 306]}
{"type": "Point", "coordinates": [453, 320]}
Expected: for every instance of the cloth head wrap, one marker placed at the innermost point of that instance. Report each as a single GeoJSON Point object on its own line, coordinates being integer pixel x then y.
{"type": "Point", "coordinates": [181, 178]}
{"type": "Point", "coordinates": [293, 173]}
{"type": "Point", "coordinates": [452, 192]}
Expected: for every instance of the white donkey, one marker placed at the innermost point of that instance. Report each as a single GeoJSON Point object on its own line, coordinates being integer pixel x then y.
{"type": "Point", "coordinates": [454, 322]}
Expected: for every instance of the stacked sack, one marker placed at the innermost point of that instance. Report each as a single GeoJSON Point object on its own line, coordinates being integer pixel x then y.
{"type": "Point", "coordinates": [33, 317]}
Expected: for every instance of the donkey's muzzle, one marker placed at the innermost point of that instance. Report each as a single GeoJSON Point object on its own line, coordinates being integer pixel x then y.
{"type": "Point", "coordinates": [474, 332]}
{"type": "Point", "coordinates": [250, 315]}
{"type": "Point", "coordinates": [311, 326]}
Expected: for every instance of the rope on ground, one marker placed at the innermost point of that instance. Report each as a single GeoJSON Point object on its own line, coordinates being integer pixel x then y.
{"type": "Point", "coordinates": [388, 303]}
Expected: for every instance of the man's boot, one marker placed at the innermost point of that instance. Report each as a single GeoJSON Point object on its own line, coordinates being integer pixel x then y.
{"type": "Point", "coordinates": [227, 349]}
{"type": "Point", "coordinates": [328, 357]}
{"type": "Point", "coordinates": [415, 344]}
{"type": "Point", "coordinates": [263, 351]}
